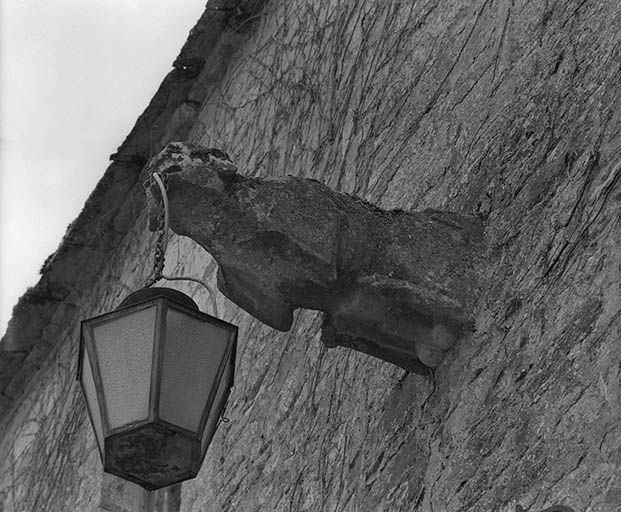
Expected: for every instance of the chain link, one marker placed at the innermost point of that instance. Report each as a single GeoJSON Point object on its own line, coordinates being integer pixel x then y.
{"type": "Point", "coordinates": [162, 241]}
{"type": "Point", "coordinates": [160, 246]}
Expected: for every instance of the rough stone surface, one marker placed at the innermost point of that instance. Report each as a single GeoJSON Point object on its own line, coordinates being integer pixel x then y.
{"type": "Point", "coordinates": [397, 285]}
{"type": "Point", "coordinates": [506, 108]}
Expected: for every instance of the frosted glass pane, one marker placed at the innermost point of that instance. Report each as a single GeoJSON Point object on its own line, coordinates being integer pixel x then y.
{"type": "Point", "coordinates": [192, 354]}
{"type": "Point", "coordinates": [124, 349]}
{"type": "Point", "coordinates": [214, 415]}
{"type": "Point", "coordinates": [88, 385]}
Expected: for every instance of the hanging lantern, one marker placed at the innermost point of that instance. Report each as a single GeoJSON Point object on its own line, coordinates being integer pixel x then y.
{"type": "Point", "coordinates": [156, 374]}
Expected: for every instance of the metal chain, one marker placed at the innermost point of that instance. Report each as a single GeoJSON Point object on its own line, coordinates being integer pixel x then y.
{"type": "Point", "coordinates": [162, 242]}
{"type": "Point", "coordinates": [160, 245]}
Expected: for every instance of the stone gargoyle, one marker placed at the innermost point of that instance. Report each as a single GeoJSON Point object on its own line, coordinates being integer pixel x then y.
{"type": "Point", "coordinates": [398, 285]}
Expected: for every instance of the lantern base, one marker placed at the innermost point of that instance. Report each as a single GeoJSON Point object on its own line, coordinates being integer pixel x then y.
{"type": "Point", "coordinates": [153, 455]}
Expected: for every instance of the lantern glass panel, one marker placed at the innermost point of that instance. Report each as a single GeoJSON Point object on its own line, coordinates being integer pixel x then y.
{"type": "Point", "coordinates": [216, 408]}
{"type": "Point", "coordinates": [124, 346]}
{"type": "Point", "coordinates": [88, 385]}
{"type": "Point", "coordinates": [192, 354]}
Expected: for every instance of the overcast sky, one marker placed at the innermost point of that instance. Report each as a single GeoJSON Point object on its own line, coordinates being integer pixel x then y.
{"type": "Point", "coordinates": [75, 75]}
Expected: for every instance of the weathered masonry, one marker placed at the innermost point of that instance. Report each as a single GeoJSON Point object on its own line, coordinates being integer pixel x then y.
{"type": "Point", "coordinates": [503, 111]}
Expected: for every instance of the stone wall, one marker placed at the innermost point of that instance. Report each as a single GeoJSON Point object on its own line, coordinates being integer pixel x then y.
{"type": "Point", "coordinates": [47, 457]}
{"type": "Point", "coordinates": [505, 109]}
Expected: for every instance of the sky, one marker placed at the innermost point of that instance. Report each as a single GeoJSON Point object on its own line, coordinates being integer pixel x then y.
{"type": "Point", "coordinates": [74, 77]}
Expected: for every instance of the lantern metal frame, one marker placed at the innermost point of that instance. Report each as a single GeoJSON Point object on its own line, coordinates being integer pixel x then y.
{"type": "Point", "coordinates": [163, 299]}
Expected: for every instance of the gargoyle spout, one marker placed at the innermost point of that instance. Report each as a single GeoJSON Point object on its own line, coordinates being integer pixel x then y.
{"type": "Point", "coordinates": [398, 285]}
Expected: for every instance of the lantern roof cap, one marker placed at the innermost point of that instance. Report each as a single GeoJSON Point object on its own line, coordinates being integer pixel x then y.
{"type": "Point", "coordinates": [147, 294]}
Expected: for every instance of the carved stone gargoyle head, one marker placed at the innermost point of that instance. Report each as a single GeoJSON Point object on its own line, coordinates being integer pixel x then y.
{"type": "Point", "coordinates": [397, 285]}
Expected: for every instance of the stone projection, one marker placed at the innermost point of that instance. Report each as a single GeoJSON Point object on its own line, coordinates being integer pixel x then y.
{"type": "Point", "coordinates": [504, 112]}
{"type": "Point", "coordinates": [397, 285]}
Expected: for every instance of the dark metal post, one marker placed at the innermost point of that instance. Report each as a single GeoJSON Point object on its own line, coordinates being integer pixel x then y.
{"type": "Point", "coordinates": [118, 495]}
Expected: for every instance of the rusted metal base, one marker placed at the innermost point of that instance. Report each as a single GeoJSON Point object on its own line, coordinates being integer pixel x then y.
{"type": "Point", "coordinates": [153, 455]}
